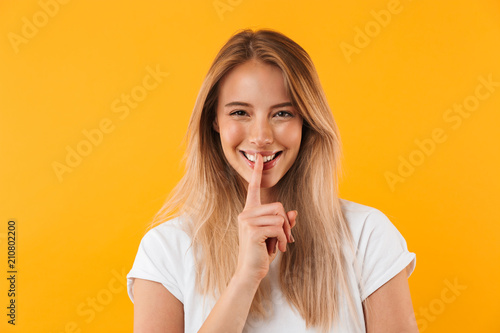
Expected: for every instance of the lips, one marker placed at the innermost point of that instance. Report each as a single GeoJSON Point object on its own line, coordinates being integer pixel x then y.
{"type": "Point", "coordinates": [270, 158]}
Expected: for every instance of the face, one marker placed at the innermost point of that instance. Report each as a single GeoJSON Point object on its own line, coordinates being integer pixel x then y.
{"type": "Point", "coordinates": [255, 115]}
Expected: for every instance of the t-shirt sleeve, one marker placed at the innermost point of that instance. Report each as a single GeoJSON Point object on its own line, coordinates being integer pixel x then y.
{"type": "Point", "coordinates": [161, 257]}
{"type": "Point", "coordinates": [383, 253]}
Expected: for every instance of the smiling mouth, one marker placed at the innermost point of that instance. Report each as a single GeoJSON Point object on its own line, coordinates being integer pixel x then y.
{"type": "Point", "coordinates": [269, 158]}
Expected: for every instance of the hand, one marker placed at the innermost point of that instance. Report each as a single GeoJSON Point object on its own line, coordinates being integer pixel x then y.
{"type": "Point", "coordinates": [261, 229]}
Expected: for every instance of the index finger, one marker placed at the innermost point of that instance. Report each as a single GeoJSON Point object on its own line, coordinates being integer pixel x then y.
{"type": "Point", "coordinates": [253, 194]}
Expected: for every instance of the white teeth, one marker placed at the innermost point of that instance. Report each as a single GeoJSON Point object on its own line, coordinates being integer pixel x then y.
{"type": "Point", "coordinates": [268, 158]}
{"type": "Point", "coordinates": [252, 157]}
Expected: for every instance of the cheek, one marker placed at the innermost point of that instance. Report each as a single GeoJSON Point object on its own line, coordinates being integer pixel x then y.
{"type": "Point", "coordinates": [291, 135]}
{"type": "Point", "coordinates": [231, 134]}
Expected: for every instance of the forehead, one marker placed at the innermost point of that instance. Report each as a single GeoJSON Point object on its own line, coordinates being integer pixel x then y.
{"type": "Point", "coordinates": [254, 82]}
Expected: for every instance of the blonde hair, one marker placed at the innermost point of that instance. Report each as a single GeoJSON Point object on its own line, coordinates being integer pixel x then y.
{"type": "Point", "coordinates": [313, 273]}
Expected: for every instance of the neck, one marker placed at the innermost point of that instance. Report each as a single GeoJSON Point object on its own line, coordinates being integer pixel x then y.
{"type": "Point", "coordinates": [267, 195]}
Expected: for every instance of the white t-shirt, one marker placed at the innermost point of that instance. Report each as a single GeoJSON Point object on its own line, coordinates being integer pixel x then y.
{"type": "Point", "coordinates": [164, 256]}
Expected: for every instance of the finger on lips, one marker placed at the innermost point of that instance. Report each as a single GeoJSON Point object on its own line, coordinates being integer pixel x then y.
{"type": "Point", "coordinates": [254, 201]}
{"type": "Point", "coordinates": [253, 195]}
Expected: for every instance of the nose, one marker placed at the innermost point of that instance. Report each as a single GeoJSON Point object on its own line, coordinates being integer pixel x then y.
{"type": "Point", "coordinates": [261, 133]}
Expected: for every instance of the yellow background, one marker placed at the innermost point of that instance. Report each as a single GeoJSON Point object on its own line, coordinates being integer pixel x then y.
{"type": "Point", "coordinates": [78, 233]}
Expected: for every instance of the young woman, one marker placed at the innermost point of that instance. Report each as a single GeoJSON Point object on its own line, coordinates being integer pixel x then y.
{"type": "Point", "coordinates": [263, 158]}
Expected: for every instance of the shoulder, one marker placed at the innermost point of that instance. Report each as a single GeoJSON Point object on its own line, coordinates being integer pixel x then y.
{"type": "Point", "coordinates": [176, 224]}
{"type": "Point", "coordinates": [381, 250]}
{"type": "Point", "coordinates": [363, 219]}
{"type": "Point", "coordinates": [171, 238]}
{"type": "Point", "coordinates": [374, 235]}
{"type": "Point", "coordinates": [165, 256]}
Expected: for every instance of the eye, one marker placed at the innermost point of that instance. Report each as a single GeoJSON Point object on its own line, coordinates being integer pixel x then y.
{"type": "Point", "coordinates": [284, 114]}
{"type": "Point", "coordinates": [238, 113]}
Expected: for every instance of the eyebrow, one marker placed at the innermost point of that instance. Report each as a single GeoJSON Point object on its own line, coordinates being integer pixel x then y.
{"type": "Point", "coordinates": [249, 105]}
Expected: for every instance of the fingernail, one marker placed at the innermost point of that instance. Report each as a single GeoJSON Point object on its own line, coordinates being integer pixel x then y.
{"type": "Point", "coordinates": [293, 239]}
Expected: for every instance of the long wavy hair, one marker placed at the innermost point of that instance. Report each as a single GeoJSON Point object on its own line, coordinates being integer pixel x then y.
{"type": "Point", "coordinates": [313, 272]}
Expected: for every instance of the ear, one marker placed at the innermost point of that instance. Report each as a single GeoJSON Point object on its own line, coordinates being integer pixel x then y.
{"type": "Point", "coordinates": [215, 125]}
